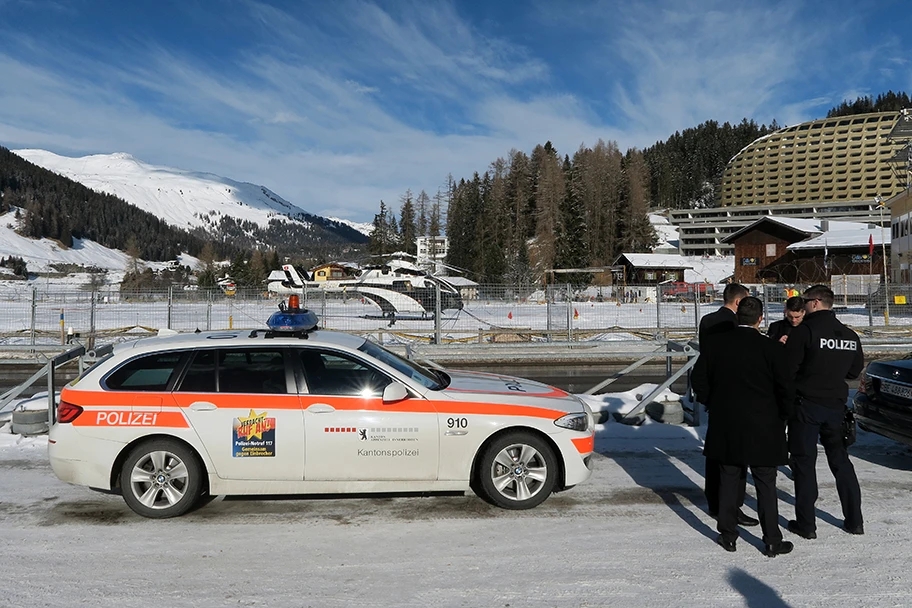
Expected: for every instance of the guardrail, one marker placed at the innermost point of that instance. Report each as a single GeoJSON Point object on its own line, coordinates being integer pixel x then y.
{"type": "Point", "coordinates": [50, 367]}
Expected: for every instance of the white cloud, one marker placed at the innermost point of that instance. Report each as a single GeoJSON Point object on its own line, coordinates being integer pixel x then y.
{"type": "Point", "coordinates": [337, 105]}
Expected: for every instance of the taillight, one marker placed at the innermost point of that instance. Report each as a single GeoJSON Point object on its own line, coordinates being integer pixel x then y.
{"type": "Point", "coordinates": [67, 412]}
{"type": "Point", "coordinates": [863, 381]}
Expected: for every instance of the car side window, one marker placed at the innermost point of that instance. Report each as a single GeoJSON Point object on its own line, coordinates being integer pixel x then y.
{"type": "Point", "coordinates": [200, 374]}
{"type": "Point", "coordinates": [328, 373]}
{"type": "Point", "coordinates": [252, 371]}
{"type": "Point", "coordinates": [149, 373]}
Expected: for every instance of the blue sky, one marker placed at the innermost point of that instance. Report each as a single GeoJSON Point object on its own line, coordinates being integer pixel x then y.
{"type": "Point", "coordinates": [337, 104]}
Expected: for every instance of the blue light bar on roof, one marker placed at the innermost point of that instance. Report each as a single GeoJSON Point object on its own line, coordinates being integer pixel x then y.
{"type": "Point", "coordinates": [292, 321]}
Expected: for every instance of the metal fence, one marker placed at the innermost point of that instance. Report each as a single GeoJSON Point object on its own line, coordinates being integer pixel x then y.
{"type": "Point", "coordinates": [490, 313]}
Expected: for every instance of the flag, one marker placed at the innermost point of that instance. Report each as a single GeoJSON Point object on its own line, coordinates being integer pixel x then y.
{"type": "Point", "coordinates": [871, 245]}
{"type": "Point", "coordinates": [826, 252]}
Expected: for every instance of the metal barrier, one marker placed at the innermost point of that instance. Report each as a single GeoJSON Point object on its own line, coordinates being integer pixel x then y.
{"type": "Point", "coordinates": [672, 349]}
{"type": "Point", "coordinates": [49, 369]}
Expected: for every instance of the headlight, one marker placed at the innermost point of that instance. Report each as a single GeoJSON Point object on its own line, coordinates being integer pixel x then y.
{"type": "Point", "coordinates": [574, 422]}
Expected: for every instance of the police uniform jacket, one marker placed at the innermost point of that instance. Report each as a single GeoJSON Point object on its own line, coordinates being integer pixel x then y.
{"type": "Point", "coordinates": [823, 353]}
{"type": "Point", "coordinates": [744, 379]}
{"type": "Point", "coordinates": [778, 329]}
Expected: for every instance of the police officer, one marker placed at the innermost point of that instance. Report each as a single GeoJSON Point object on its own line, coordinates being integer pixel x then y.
{"type": "Point", "coordinates": [715, 323]}
{"type": "Point", "coordinates": [822, 353]}
{"type": "Point", "coordinates": [794, 314]}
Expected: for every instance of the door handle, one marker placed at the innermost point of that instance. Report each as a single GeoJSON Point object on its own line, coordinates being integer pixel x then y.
{"type": "Point", "coordinates": [202, 406]}
{"type": "Point", "coordinates": [320, 408]}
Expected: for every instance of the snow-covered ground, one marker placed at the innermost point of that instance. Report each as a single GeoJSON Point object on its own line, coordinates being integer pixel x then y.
{"type": "Point", "coordinates": [636, 534]}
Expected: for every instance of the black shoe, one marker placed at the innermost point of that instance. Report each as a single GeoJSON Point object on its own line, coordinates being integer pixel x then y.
{"type": "Point", "coordinates": [728, 545]}
{"type": "Point", "coordinates": [746, 520]}
{"type": "Point", "coordinates": [859, 529]}
{"type": "Point", "coordinates": [794, 529]}
{"type": "Point", "coordinates": [713, 514]}
{"type": "Point", "coordinates": [780, 548]}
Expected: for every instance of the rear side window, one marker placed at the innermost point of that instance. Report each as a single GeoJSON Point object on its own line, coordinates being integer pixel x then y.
{"type": "Point", "coordinates": [149, 373]}
{"type": "Point", "coordinates": [252, 371]}
{"type": "Point", "coordinates": [200, 375]}
{"type": "Point", "coordinates": [236, 371]}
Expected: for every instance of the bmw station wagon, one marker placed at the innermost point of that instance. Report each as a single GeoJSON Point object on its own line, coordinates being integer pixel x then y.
{"type": "Point", "coordinates": [293, 409]}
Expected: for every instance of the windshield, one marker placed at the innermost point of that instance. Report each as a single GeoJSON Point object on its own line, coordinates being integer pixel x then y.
{"type": "Point", "coordinates": [427, 378]}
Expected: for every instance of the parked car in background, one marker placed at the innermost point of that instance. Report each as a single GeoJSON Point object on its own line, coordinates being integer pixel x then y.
{"type": "Point", "coordinates": [687, 292]}
{"type": "Point", "coordinates": [883, 403]}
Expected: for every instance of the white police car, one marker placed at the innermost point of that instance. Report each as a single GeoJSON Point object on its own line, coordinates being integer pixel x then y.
{"type": "Point", "coordinates": [296, 410]}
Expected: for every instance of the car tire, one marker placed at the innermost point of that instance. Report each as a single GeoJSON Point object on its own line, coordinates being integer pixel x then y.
{"type": "Point", "coordinates": [161, 478]}
{"type": "Point", "coordinates": [517, 470]}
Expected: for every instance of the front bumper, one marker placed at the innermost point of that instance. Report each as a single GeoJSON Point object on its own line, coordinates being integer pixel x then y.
{"type": "Point", "coordinates": [886, 420]}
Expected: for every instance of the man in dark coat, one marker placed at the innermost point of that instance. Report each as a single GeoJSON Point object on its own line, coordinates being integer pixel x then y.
{"type": "Point", "coordinates": [712, 324]}
{"type": "Point", "coordinates": [744, 379]}
{"type": "Point", "coordinates": [794, 314]}
{"type": "Point", "coordinates": [822, 353]}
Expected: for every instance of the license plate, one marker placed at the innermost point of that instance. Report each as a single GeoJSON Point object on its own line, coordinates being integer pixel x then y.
{"type": "Point", "coordinates": [897, 390]}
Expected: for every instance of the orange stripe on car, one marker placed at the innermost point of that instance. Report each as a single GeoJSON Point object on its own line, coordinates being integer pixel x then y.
{"type": "Point", "coordinates": [126, 399]}
{"type": "Point", "coordinates": [585, 444]}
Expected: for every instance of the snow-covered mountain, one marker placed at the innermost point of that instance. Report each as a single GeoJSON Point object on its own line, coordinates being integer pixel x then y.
{"type": "Point", "coordinates": [364, 228]}
{"type": "Point", "coordinates": [190, 200]}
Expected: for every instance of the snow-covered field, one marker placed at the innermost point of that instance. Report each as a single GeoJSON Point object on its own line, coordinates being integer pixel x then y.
{"type": "Point", "coordinates": [636, 534]}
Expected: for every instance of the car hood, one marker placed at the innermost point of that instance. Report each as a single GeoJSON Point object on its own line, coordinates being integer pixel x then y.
{"type": "Point", "coordinates": [497, 388]}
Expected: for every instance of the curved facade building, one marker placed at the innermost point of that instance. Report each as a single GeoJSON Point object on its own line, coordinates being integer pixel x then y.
{"type": "Point", "coordinates": [841, 159]}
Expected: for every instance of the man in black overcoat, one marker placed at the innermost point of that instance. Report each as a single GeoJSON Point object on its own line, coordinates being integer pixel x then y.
{"type": "Point", "coordinates": [744, 378]}
{"type": "Point", "coordinates": [712, 324]}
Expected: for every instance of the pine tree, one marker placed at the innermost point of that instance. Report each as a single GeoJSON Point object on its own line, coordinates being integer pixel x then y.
{"type": "Point", "coordinates": [572, 238]}
{"type": "Point", "coordinates": [423, 202]}
{"type": "Point", "coordinates": [408, 231]}
{"type": "Point", "coordinates": [548, 193]}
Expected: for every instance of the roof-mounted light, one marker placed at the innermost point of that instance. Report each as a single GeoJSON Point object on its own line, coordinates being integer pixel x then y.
{"type": "Point", "coordinates": [291, 319]}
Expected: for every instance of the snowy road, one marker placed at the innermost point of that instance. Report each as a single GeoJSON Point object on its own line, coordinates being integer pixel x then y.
{"type": "Point", "coordinates": [635, 535]}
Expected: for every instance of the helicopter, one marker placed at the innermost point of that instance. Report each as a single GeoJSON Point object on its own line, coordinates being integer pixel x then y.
{"type": "Point", "coordinates": [400, 288]}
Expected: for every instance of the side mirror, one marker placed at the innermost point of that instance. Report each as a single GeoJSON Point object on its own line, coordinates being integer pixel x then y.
{"type": "Point", "coordinates": [394, 392]}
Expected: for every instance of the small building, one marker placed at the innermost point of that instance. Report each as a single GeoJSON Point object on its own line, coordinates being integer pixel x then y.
{"type": "Point", "coordinates": [333, 271]}
{"type": "Point", "coordinates": [838, 252]}
{"type": "Point", "coordinates": [468, 289]}
{"type": "Point", "coordinates": [763, 250]}
{"type": "Point", "coordinates": [651, 268]}
{"type": "Point", "coordinates": [431, 252]}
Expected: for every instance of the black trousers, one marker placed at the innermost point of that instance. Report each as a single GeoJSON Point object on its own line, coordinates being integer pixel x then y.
{"type": "Point", "coordinates": [811, 421]}
{"type": "Point", "coordinates": [712, 483]}
{"type": "Point", "coordinates": [767, 501]}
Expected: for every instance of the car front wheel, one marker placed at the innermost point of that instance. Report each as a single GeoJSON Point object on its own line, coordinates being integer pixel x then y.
{"type": "Point", "coordinates": [161, 478]}
{"type": "Point", "coordinates": [517, 471]}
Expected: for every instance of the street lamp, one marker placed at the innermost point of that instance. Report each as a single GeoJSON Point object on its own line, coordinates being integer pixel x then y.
{"type": "Point", "coordinates": [883, 248]}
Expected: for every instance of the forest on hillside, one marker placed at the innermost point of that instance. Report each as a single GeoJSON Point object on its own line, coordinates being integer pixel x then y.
{"type": "Point", "coordinates": [527, 214]}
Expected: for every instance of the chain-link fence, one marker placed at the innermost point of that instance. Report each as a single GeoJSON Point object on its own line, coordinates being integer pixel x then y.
{"type": "Point", "coordinates": [489, 313]}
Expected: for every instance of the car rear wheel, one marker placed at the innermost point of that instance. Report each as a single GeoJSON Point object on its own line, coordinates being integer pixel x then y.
{"type": "Point", "coordinates": [517, 471]}
{"type": "Point", "coordinates": [161, 478]}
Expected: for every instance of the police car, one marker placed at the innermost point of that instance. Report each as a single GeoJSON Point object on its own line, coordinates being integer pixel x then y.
{"type": "Point", "coordinates": [294, 409]}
